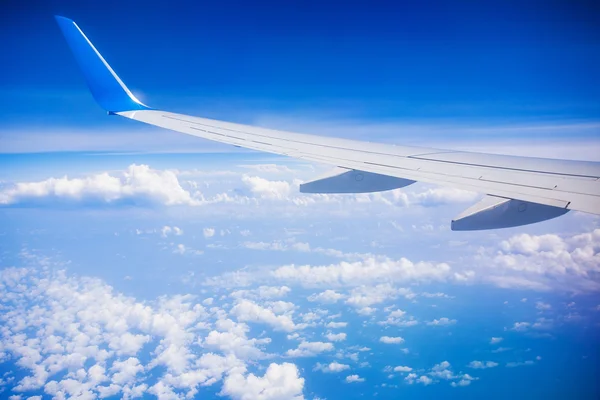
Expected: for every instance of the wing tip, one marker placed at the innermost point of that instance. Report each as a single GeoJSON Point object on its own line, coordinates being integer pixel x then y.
{"type": "Point", "coordinates": [107, 88]}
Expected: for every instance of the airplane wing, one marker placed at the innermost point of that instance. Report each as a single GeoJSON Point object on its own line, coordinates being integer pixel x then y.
{"type": "Point", "coordinates": [519, 190]}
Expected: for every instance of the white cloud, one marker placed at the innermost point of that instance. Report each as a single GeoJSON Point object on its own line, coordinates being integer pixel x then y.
{"type": "Point", "coordinates": [263, 188]}
{"type": "Point", "coordinates": [366, 310]}
{"type": "Point", "coordinates": [444, 195]}
{"type": "Point", "coordinates": [310, 349]}
{"type": "Point", "coordinates": [335, 337]}
{"type": "Point", "coordinates": [354, 379]}
{"type": "Point", "coordinates": [84, 329]}
{"type": "Point", "coordinates": [231, 338]}
{"type": "Point", "coordinates": [270, 292]}
{"type": "Point", "coordinates": [442, 322]}
{"type": "Point", "coordinates": [126, 371]}
{"type": "Point", "coordinates": [280, 382]}
{"type": "Point", "coordinates": [127, 343]}
{"type": "Point", "coordinates": [466, 381]}
{"type": "Point", "coordinates": [399, 318]}
{"type": "Point", "coordinates": [262, 292]}
{"type": "Point", "coordinates": [496, 340]}
{"type": "Point", "coordinates": [336, 325]}
{"type": "Point", "coordinates": [545, 262]}
{"type": "Point", "coordinates": [391, 340]}
{"type": "Point", "coordinates": [138, 184]}
{"type": "Point", "coordinates": [370, 270]}
{"type": "Point", "coordinates": [520, 363]}
{"type": "Point", "coordinates": [208, 232]}
{"type": "Point", "coordinates": [401, 368]}
{"type": "Point", "coordinates": [167, 230]}
{"type": "Point", "coordinates": [359, 348]}
{"type": "Point", "coordinates": [249, 311]}
{"type": "Point", "coordinates": [333, 367]}
{"type": "Point", "coordinates": [440, 372]}
{"type": "Point", "coordinates": [414, 378]}
{"type": "Point", "coordinates": [424, 380]}
{"type": "Point", "coordinates": [328, 296]}
{"type": "Point", "coordinates": [501, 349]}
{"type": "Point", "coordinates": [183, 249]}
{"type": "Point", "coordinates": [482, 364]}
{"type": "Point", "coordinates": [540, 305]}
{"type": "Point", "coordinates": [436, 295]}
{"type": "Point", "coordinates": [540, 324]}
{"type": "Point", "coordinates": [366, 296]}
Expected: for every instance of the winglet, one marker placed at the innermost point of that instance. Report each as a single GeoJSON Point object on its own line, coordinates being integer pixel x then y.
{"type": "Point", "coordinates": [107, 88]}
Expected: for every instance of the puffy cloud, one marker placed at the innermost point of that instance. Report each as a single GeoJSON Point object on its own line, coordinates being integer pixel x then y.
{"type": "Point", "coordinates": [399, 318]}
{"type": "Point", "coordinates": [126, 371]}
{"type": "Point", "coordinates": [79, 328]}
{"type": "Point", "coordinates": [335, 325]}
{"type": "Point", "coordinates": [366, 296]}
{"type": "Point", "coordinates": [328, 296]}
{"type": "Point", "coordinates": [310, 349]}
{"type": "Point", "coordinates": [545, 262]}
{"type": "Point", "coordinates": [540, 305]}
{"type": "Point", "coordinates": [208, 232]}
{"type": "Point", "coordinates": [496, 340]}
{"type": "Point", "coordinates": [335, 337]}
{"type": "Point", "coordinates": [521, 326]}
{"type": "Point", "coordinates": [444, 195]}
{"type": "Point", "coordinates": [280, 382]}
{"type": "Point", "coordinates": [167, 230]}
{"type": "Point", "coordinates": [127, 343]}
{"type": "Point", "coordinates": [231, 338]}
{"type": "Point", "coordinates": [440, 372]}
{"type": "Point", "coordinates": [414, 378]}
{"type": "Point", "coordinates": [424, 380]}
{"type": "Point", "coordinates": [333, 367]}
{"type": "Point", "coordinates": [391, 340]}
{"type": "Point", "coordinates": [442, 322]}
{"type": "Point", "coordinates": [465, 381]}
{"type": "Point", "coordinates": [262, 292]}
{"type": "Point", "coordinates": [482, 364]}
{"type": "Point", "coordinates": [138, 184]}
{"type": "Point", "coordinates": [264, 188]}
{"type": "Point", "coordinates": [183, 249]}
{"type": "Point", "coordinates": [401, 368]}
{"type": "Point", "coordinates": [354, 379]}
{"type": "Point", "coordinates": [249, 311]}
{"type": "Point", "coordinates": [369, 270]}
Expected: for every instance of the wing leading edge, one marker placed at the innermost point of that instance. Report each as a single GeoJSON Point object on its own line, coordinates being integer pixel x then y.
{"type": "Point", "coordinates": [520, 190]}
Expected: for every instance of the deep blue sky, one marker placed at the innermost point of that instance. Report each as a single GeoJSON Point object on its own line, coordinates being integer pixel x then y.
{"type": "Point", "coordinates": [473, 60]}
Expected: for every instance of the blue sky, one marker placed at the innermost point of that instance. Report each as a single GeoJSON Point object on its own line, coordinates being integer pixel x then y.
{"type": "Point", "coordinates": [141, 263]}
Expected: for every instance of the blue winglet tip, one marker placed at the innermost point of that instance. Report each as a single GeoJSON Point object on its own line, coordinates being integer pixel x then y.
{"type": "Point", "coordinates": [108, 89]}
{"type": "Point", "coordinates": [61, 18]}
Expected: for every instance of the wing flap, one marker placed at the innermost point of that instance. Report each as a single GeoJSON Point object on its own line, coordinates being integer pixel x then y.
{"type": "Point", "coordinates": [497, 212]}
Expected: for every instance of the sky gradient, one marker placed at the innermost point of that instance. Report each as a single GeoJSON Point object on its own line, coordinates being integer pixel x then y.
{"type": "Point", "coordinates": [141, 263]}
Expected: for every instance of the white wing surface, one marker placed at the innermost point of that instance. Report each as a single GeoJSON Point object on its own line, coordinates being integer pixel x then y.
{"type": "Point", "coordinates": [520, 190]}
